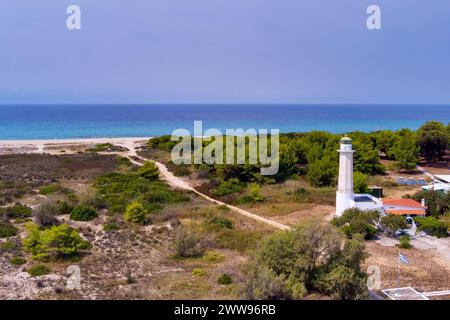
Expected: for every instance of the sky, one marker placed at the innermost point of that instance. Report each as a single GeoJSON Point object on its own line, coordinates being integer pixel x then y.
{"type": "Point", "coordinates": [225, 51]}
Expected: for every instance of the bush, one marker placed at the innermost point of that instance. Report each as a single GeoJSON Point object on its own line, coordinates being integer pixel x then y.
{"type": "Point", "coordinates": [199, 272]}
{"type": "Point", "coordinates": [149, 171]}
{"type": "Point", "coordinates": [391, 223]}
{"type": "Point", "coordinates": [16, 212]}
{"type": "Point", "coordinates": [218, 222]}
{"type": "Point", "coordinates": [45, 215]}
{"type": "Point", "coordinates": [111, 227]}
{"type": "Point", "coordinates": [432, 226]}
{"type": "Point", "coordinates": [312, 257]}
{"type": "Point", "coordinates": [404, 242]}
{"type": "Point", "coordinates": [39, 270]}
{"type": "Point", "coordinates": [360, 182]}
{"type": "Point", "coordinates": [136, 213]}
{"type": "Point", "coordinates": [119, 190]}
{"type": "Point", "coordinates": [225, 279]}
{"type": "Point", "coordinates": [57, 242]}
{"type": "Point", "coordinates": [17, 261]}
{"type": "Point", "coordinates": [83, 213]}
{"type": "Point", "coordinates": [355, 221]}
{"type": "Point", "coordinates": [63, 207]}
{"type": "Point", "coordinates": [186, 244]}
{"type": "Point", "coordinates": [7, 230]}
{"type": "Point", "coordinates": [228, 187]}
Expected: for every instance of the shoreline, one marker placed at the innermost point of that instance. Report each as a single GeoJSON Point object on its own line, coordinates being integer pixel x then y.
{"type": "Point", "coordinates": [68, 145]}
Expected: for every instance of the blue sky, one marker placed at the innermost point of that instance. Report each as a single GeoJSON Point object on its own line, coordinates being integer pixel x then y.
{"type": "Point", "coordinates": [225, 51]}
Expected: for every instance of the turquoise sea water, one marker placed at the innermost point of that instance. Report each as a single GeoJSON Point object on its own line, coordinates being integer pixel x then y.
{"type": "Point", "coordinates": [86, 121]}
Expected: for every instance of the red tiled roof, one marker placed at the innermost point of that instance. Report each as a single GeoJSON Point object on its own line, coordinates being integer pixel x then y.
{"type": "Point", "coordinates": [405, 212]}
{"type": "Point", "coordinates": [402, 203]}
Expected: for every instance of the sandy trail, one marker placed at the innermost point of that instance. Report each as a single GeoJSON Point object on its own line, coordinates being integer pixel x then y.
{"type": "Point", "coordinates": [51, 146]}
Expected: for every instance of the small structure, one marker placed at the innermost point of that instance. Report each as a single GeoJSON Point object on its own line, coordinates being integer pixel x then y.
{"type": "Point", "coordinates": [345, 197]}
{"type": "Point", "coordinates": [441, 183]}
{"type": "Point", "coordinates": [404, 207]}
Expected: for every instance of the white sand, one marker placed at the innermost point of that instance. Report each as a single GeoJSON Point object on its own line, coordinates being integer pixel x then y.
{"type": "Point", "coordinates": [40, 146]}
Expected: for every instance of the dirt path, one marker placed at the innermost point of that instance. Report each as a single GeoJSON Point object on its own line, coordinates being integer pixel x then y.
{"type": "Point", "coordinates": [179, 183]}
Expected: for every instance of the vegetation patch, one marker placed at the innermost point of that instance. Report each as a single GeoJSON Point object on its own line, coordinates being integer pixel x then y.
{"type": "Point", "coordinates": [56, 242]}
{"type": "Point", "coordinates": [7, 230]}
{"type": "Point", "coordinates": [39, 270]}
{"type": "Point", "coordinates": [225, 279]}
{"type": "Point", "coordinates": [83, 213]}
{"type": "Point", "coordinates": [17, 261]}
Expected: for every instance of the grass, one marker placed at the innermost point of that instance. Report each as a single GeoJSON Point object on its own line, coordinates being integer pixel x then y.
{"type": "Point", "coordinates": [17, 261]}
{"type": "Point", "coordinates": [7, 230]}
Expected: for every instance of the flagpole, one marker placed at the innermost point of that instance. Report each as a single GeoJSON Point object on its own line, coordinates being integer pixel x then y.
{"type": "Point", "coordinates": [398, 275]}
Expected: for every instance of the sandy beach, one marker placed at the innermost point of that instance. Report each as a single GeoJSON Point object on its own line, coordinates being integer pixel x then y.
{"type": "Point", "coordinates": [68, 145]}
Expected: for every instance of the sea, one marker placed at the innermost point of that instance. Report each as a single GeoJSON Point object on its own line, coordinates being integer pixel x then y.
{"type": "Point", "coordinates": [32, 122]}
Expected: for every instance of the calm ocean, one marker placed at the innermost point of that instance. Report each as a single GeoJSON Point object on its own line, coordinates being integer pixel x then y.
{"type": "Point", "coordinates": [86, 121]}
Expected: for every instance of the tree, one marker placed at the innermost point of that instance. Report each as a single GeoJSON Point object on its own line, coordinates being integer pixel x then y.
{"type": "Point", "coordinates": [322, 172]}
{"type": "Point", "coordinates": [391, 223]}
{"type": "Point", "coordinates": [356, 221]}
{"type": "Point", "coordinates": [360, 183]}
{"type": "Point", "coordinates": [136, 213]}
{"type": "Point", "coordinates": [406, 153]}
{"type": "Point", "coordinates": [53, 243]}
{"type": "Point", "coordinates": [292, 263]}
{"type": "Point", "coordinates": [366, 158]}
{"type": "Point", "coordinates": [385, 140]}
{"type": "Point", "coordinates": [149, 171]}
{"type": "Point", "coordinates": [433, 140]}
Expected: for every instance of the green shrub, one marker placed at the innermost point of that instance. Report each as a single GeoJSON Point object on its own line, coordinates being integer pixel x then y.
{"type": "Point", "coordinates": [118, 190]}
{"type": "Point", "coordinates": [391, 223]}
{"type": "Point", "coordinates": [217, 222]}
{"type": "Point", "coordinates": [7, 230]}
{"type": "Point", "coordinates": [111, 227]}
{"type": "Point", "coordinates": [63, 207]}
{"type": "Point", "coordinates": [16, 212]}
{"type": "Point", "coordinates": [228, 187]}
{"type": "Point", "coordinates": [149, 171]}
{"type": "Point", "coordinates": [83, 213]}
{"type": "Point", "coordinates": [355, 221]}
{"type": "Point", "coordinates": [17, 261]}
{"type": "Point", "coordinates": [310, 258]}
{"type": "Point", "coordinates": [432, 226]}
{"type": "Point", "coordinates": [39, 270]}
{"type": "Point", "coordinates": [404, 242]}
{"type": "Point", "coordinates": [225, 279]}
{"type": "Point", "coordinates": [46, 190]}
{"type": "Point", "coordinates": [136, 213]}
{"type": "Point", "coordinates": [360, 182]}
{"type": "Point", "coordinates": [253, 195]}
{"type": "Point", "coordinates": [57, 242]}
{"type": "Point", "coordinates": [199, 272]}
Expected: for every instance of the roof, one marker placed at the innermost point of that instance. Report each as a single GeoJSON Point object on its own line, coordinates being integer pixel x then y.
{"type": "Point", "coordinates": [443, 177]}
{"type": "Point", "coordinates": [402, 203]}
{"type": "Point", "coordinates": [346, 139]}
{"type": "Point", "coordinates": [406, 212]}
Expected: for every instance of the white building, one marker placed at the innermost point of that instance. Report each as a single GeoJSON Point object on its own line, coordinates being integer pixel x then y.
{"type": "Point", "coordinates": [441, 183]}
{"type": "Point", "coordinates": [345, 197]}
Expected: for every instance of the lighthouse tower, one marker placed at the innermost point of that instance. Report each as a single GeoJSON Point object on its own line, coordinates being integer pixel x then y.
{"type": "Point", "coordinates": [345, 196]}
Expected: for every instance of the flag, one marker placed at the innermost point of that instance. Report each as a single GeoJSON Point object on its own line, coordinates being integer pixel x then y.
{"type": "Point", "coordinates": [403, 259]}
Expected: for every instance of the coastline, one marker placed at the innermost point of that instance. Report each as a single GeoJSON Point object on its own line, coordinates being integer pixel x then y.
{"type": "Point", "coordinates": [68, 145]}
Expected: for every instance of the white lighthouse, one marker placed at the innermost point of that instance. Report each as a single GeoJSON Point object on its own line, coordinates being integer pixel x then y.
{"type": "Point", "coordinates": [345, 197]}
